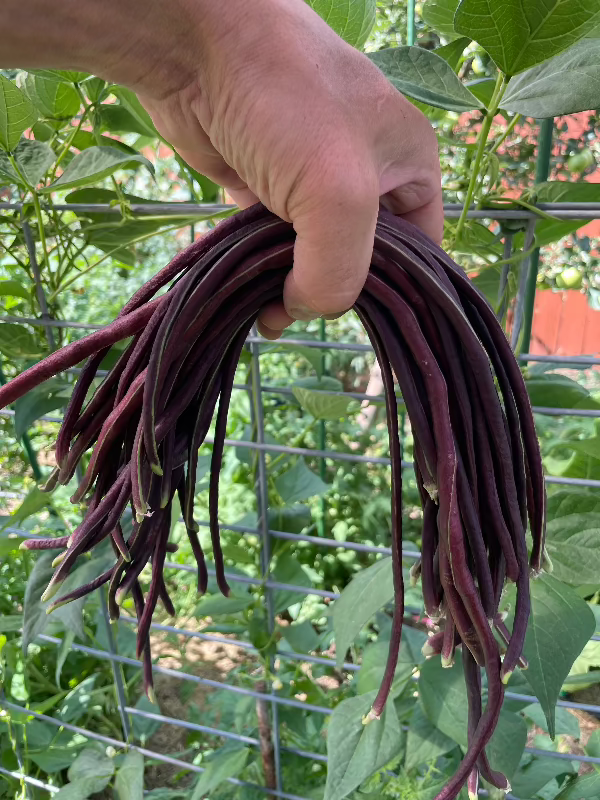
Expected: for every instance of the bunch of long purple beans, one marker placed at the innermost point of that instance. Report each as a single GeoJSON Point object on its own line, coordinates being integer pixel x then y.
{"type": "Point", "coordinates": [476, 453]}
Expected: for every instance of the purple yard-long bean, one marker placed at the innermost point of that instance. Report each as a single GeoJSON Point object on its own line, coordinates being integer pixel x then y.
{"type": "Point", "coordinates": [476, 454]}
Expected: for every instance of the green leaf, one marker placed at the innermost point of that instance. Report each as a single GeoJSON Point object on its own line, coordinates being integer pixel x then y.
{"type": "Point", "coordinates": [355, 750]}
{"type": "Point", "coordinates": [224, 765]}
{"type": "Point", "coordinates": [444, 699]}
{"type": "Point", "coordinates": [540, 92]}
{"type": "Point", "coordinates": [353, 20]}
{"type": "Point", "coordinates": [118, 119]}
{"type": "Point", "coordinates": [292, 519]}
{"type": "Point", "coordinates": [368, 591]}
{"type": "Point", "coordinates": [63, 652]}
{"type": "Point", "coordinates": [13, 288]}
{"type": "Point", "coordinates": [372, 668]}
{"type": "Point", "coordinates": [47, 397]}
{"type": "Point", "coordinates": [34, 159]}
{"type": "Point", "coordinates": [17, 113]}
{"type": "Point", "coordinates": [54, 98]}
{"type": "Point", "coordinates": [576, 560]}
{"type": "Point", "coordinates": [80, 789]}
{"type": "Point", "coordinates": [425, 76]}
{"type": "Point", "coordinates": [589, 447]}
{"type": "Point", "coordinates": [559, 627]}
{"type": "Point", "coordinates": [565, 722]}
{"type": "Point", "coordinates": [592, 748]}
{"type": "Point", "coordinates": [143, 728]}
{"type": "Point", "coordinates": [129, 781]}
{"type": "Point", "coordinates": [78, 701]}
{"type": "Point", "coordinates": [33, 502]}
{"type": "Point", "coordinates": [558, 391]}
{"type": "Point", "coordinates": [216, 605]}
{"type": "Point", "coordinates": [535, 775]}
{"type": "Point", "coordinates": [566, 192]}
{"type": "Point", "coordinates": [65, 75]}
{"type": "Point", "coordinates": [439, 15]}
{"type": "Point", "coordinates": [92, 762]}
{"type": "Point", "coordinates": [9, 542]}
{"type": "Point", "coordinates": [17, 342]}
{"type": "Point", "coordinates": [289, 570]}
{"type": "Point", "coordinates": [587, 787]}
{"type": "Point", "coordinates": [571, 501]}
{"type": "Point", "coordinates": [321, 406]}
{"type": "Point", "coordinates": [519, 35]}
{"type": "Point", "coordinates": [452, 53]}
{"type": "Point", "coordinates": [52, 759]}
{"type": "Point", "coordinates": [93, 165]}
{"type": "Point", "coordinates": [553, 230]}
{"type": "Point", "coordinates": [301, 637]}
{"type": "Point", "coordinates": [424, 743]}
{"type": "Point", "coordinates": [35, 617]}
{"type": "Point", "coordinates": [128, 99]}
{"type": "Point", "coordinates": [299, 483]}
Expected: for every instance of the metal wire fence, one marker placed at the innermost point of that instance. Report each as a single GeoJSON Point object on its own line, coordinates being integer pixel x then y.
{"type": "Point", "coordinates": [269, 535]}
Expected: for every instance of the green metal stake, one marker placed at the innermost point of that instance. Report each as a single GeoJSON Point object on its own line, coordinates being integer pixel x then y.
{"type": "Point", "coordinates": [410, 22]}
{"type": "Point", "coordinates": [321, 433]}
{"type": "Point", "coordinates": [542, 168]}
{"type": "Point", "coordinates": [26, 441]}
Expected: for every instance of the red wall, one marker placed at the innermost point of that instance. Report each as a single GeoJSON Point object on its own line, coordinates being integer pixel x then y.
{"type": "Point", "coordinates": [564, 324]}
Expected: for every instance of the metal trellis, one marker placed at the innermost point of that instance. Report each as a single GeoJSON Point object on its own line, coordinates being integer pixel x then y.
{"type": "Point", "coordinates": [260, 447]}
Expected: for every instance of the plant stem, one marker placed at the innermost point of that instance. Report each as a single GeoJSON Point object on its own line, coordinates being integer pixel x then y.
{"type": "Point", "coordinates": [499, 88]}
{"type": "Point", "coordinates": [508, 130]}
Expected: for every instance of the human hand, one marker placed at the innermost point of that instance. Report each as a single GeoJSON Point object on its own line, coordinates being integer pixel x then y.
{"type": "Point", "coordinates": [278, 108]}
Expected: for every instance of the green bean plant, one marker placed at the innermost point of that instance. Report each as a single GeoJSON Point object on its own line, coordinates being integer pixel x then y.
{"type": "Point", "coordinates": [485, 74]}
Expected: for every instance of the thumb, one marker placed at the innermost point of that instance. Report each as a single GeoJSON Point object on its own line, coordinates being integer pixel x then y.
{"type": "Point", "coordinates": [332, 253]}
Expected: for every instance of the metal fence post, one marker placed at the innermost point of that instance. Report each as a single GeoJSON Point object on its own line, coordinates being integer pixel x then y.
{"type": "Point", "coordinates": [117, 669]}
{"type": "Point", "coordinates": [524, 276]}
{"type": "Point", "coordinates": [262, 498]}
{"type": "Point", "coordinates": [410, 22]}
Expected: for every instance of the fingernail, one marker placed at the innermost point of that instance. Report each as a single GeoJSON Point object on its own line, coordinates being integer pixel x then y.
{"type": "Point", "coordinates": [335, 316]}
{"type": "Point", "coordinates": [303, 313]}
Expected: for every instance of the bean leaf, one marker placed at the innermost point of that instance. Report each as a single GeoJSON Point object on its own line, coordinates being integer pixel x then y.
{"type": "Point", "coordinates": [92, 763]}
{"type": "Point", "coordinates": [540, 91]}
{"type": "Point", "coordinates": [535, 775]}
{"type": "Point", "coordinates": [54, 98]}
{"type": "Point", "coordinates": [586, 787]}
{"type": "Point", "coordinates": [33, 502]}
{"type": "Point", "coordinates": [353, 20]}
{"type": "Point", "coordinates": [355, 750]}
{"type": "Point", "coordinates": [34, 159]}
{"type": "Point", "coordinates": [567, 502]}
{"type": "Point", "coordinates": [48, 397]}
{"type": "Point", "coordinates": [565, 722]}
{"type": "Point", "coordinates": [368, 591]}
{"type": "Point", "coordinates": [13, 288]}
{"type": "Point", "coordinates": [321, 405]}
{"type": "Point", "coordinates": [425, 743]}
{"type": "Point", "coordinates": [425, 76]}
{"type": "Point", "coordinates": [559, 627]}
{"type": "Point", "coordinates": [17, 342]}
{"type": "Point", "coordinates": [224, 765]}
{"type": "Point", "coordinates": [289, 570]}
{"type": "Point", "coordinates": [94, 164]}
{"type": "Point", "coordinates": [129, 780]}
{"type": "Point", "coordinates": [519, 35]}
{"type": "Point", "coordinates": [558, 391]}
{"type": "Point", "coordinates": [129, 100]}
{"type": "Point", "coordinates": [452, 53]}
{"type": "Point", "coordinates": [17, 113]}
{"type": "Point", "coordinates": [439, 15]}
{"type": "Point", "coordinates": [299, 483]}
{"type": "Point", "coordinates": [444, 699]}
{"type": "Point", "coordinates": [372, 668]}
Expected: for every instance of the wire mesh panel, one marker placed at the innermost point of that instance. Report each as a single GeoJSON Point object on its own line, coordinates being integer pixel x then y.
{"type": "Point", "coordinates": [267, 689]}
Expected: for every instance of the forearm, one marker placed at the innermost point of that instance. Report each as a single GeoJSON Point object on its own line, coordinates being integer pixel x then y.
{"type": "Point", "coordinates": [148, 43]}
